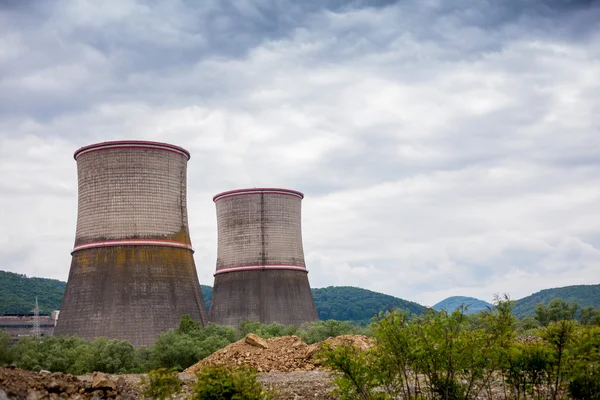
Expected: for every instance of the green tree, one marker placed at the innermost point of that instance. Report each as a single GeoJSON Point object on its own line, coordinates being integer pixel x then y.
{"type": "Point", "coordinates": [223, 383]}
{"type": "Point", "coordinates": [4, 345]}
{"type": "Point", "coordinates": [557, 310]}
{"type": "Point", "coordinates": [187, 325]}
{"type": "Point", "coordinates": [559, 335]}
{"type": "Point", "coordinates": [584, 374]}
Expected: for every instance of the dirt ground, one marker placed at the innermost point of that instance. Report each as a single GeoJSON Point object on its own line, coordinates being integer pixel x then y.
{"type": "Point", "coordinates": [16, 383]}
{"type": "Point", "coordinates": [285, 364]}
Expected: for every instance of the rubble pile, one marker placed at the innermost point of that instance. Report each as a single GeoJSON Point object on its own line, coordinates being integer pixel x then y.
{"type": "Point", "coordinates": [17, 383]}
{"type": "Point", "coordinates": [281, 354]}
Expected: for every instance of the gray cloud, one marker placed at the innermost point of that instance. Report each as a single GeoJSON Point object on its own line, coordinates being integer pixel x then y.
{"type": "Point", "coordinates": [443, 149]}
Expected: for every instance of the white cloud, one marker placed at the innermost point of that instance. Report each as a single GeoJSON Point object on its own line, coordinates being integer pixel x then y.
{"type": "Point", "coordinates": [442, 151]}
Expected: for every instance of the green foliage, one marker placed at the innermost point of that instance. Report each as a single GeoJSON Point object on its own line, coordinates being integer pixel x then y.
{"type": "Point", "coordinates": [224, 383]}
{"type": "Point", "coordinates": [584, 295]}
{"type": "Point", "coordinates": [360, 374]}
{"type": "Point", "coordinates": [161, 383]}
{"type": "Point", "coordinates": [346, 303]}
{"type": "Point", "coordinates": [452, 303]}
{"type": "Point", "coordinates": [557, 310]}
{"type": "Point", "coordinates": [187, 325]}
{"type": "Point", "coordinates": [266, 330]}
{"type": "Point", "coordinates": [584, 364]}
{"type": "Point", "coordinates": [590, 316]}
{"type": "Point", "coordinates": [111, 356]}
{"type": "Point", "coordinates": [207, 295]}
{"type": "Point", "coordinates": [4, 344]}
{"type": "Point", "coordinates": [457, 355]}
{"type": "Point", "coordinates": [184, 348]}
{"type": "Point", "coordinates": [526, 370]}
{"type": "Point", "coordinates": [18, 293]}
{"type": "Point", "coordinates": [74, 355]}
{"type": "Point", "coordinates": [320, 330]}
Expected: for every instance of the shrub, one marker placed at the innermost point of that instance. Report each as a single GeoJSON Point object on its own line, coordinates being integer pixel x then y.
{"type": "Point", "coordinates": [224, 383]}
{"type": "Point", "coordinates": [360, 375]}
{"type": "Point", "coordinates": [161, 383]}
{"type": "Point", "coordinates": [321, 330]}
{"type": "Point", "coordinates": [4, 344]}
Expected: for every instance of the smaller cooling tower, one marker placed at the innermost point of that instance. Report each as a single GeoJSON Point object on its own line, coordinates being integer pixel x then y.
{"type": "Point", "coordinates": [261, 274]}
{"type": "Point", "coordinates": [132, 273]}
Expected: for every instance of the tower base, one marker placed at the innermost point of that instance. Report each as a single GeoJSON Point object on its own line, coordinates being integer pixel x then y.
{"type": "Point", "coordinates": [265, 296]}
{"type": "Point", "coordinates": [130, 293]}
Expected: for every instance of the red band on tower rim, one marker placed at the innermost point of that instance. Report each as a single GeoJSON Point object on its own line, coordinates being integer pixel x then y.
{"type": "Point", "coordinates": [132, 242]}
{"type": "Point", "coordinates": [131, 144]}
{"type": "Point", "coordinates": [290, 267]}
{"type": "Point", "coordinates": [241, 192]}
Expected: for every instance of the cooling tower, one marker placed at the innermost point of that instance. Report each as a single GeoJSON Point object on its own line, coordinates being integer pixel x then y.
{"type": "Point", "coordinates": [132, 272]}
{"type": "Point", "coordinates": [260, 275]}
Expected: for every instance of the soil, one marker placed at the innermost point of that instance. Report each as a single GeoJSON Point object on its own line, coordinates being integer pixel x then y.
{"type": "Point", "coordinates": [17, 383]}
{"type": "Point", "coordinates": [282, 354]}
{"type": "Point", "coordinates": [285, 364]}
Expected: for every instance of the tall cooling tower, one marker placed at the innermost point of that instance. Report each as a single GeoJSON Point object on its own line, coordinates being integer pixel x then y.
{"type": "Point", "coordinates": [260, 275]}
{"type": "Point", "coordinates": [132, 273]}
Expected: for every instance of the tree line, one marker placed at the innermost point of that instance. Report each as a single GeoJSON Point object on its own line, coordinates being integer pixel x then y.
{"type": "Point", "coordinates": [443, 355]}
{"type": "Point", "coordinates": [455, 356]}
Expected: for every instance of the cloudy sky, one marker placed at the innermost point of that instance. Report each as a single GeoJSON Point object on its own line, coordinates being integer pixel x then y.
{"type": "Point", "coordinates": [445, 148]}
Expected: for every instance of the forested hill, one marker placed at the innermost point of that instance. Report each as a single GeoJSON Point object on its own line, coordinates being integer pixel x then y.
{"type": "Point", "coordinates": [452, 303]}
{"type": "Point", "coordinates": [347, 303]}
{"type": "Point", "coordinates": [584, 295]}
{"type": "Point", "coordinates": [18, 292]}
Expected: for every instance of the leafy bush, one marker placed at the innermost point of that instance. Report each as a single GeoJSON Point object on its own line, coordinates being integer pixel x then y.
{"type": "Point", "coordinates": [223, 383]}
{"type": "Point", "coordinates": [266, 331]}
{"type": "Point", "coordinates": [318, 331]}
{"type": "Point", "coordinates": [161, 383]}
{"type": "Point", "coordinates": [361, 375]}
{"type": "Point", "coordinates": [4, 344]}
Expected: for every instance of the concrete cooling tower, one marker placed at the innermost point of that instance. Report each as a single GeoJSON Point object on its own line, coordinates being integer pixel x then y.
{"type": "Point", "coordinates": [132, 273]}
{"type": "Point", "coordinates": [261, 274]}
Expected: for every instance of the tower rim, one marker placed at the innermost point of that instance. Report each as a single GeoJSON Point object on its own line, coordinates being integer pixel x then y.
{"type": "Point", "coordinates": [249, 191]}
{"type": "Point", "coordinates": [128, 144]}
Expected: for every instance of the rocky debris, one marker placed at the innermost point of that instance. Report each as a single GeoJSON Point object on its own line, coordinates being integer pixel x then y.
{"type": "Point", "coordinates": [283, 354]}
{"type": "Point", "coordinates": [362, 343]}
{"type": "Point", "coordinates": [529, 339]}
{"type": "Point", "coordinates": [256, 341]}
{"type": "Point", "coordinates": [101, 381]}
{"type": "Point", "coordinates": [21, 384]}
{"type": "Point", "coordinates": [299, 385]}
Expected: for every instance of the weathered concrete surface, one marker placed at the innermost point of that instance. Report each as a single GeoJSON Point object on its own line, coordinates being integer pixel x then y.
{"type": "Point", "coordinates": [132, 274]}
{"type": "Point", "coordinates": [261, 273]}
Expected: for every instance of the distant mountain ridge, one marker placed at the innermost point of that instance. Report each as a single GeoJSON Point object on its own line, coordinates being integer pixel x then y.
{"type": "Point", "coordinates": [346, 303]}
{"type": "Point", "coordinates": [584, 295]}
{"type": "Point", "coordinates": [452, 303]}
{"type": "Point", "coordinates": [17, 296]}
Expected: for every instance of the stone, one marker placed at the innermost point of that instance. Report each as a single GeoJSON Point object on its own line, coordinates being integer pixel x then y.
{"type": "Point", "coordinates": [101, 381]}
{"type": "Point", "coordinates": [54, 386]}
{"type": "Point", "coordinates": [121, 384]}
{"type": "Point", "coordinates": [256, 341]}
{"type": "Point", "coordinates": [3, 395]}
{"type": "Point", "coordinates": [35, 395]}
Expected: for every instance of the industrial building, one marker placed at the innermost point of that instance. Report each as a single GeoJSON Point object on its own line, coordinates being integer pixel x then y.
{"type": "Point", "coordinates": [132, 273]}
{"type": "Point", "coordinates": [20, 325]}
{"type": "Point", "coordinates": [260, 273]}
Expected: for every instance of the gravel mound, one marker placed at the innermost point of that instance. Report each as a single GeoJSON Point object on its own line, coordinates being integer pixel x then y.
{"type": "Point", "coordinates": [280, 354]}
